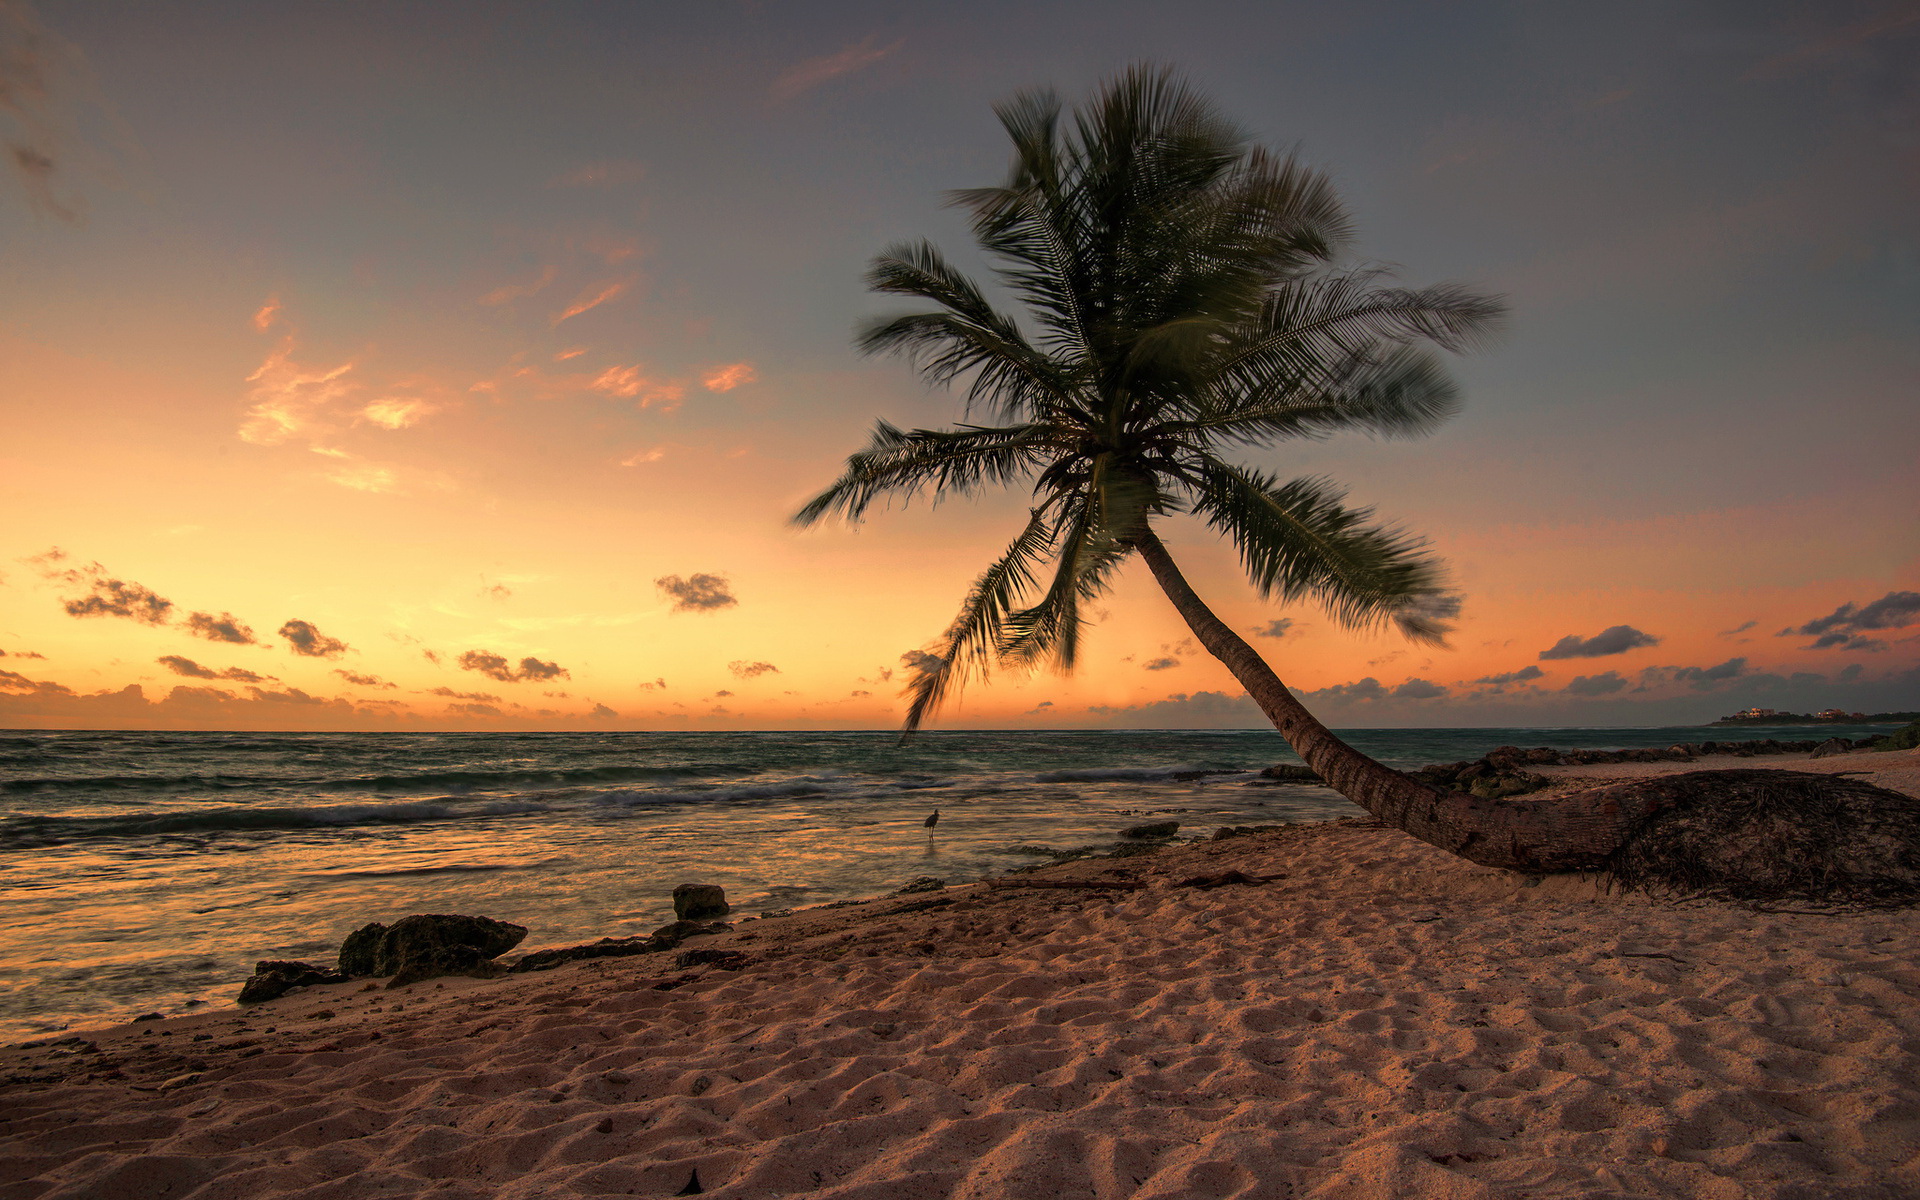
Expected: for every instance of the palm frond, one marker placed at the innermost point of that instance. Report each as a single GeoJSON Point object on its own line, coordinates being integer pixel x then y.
{"type": "Point", "coordinates": [968, 647]}
{"type": "Point", "coordinates": [907, 462]}
{"type": "Point", "coordinates": [1297, 539]}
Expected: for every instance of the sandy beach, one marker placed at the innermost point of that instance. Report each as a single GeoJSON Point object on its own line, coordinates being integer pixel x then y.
{"type": "Point", "coordinates": [1367, 1018]}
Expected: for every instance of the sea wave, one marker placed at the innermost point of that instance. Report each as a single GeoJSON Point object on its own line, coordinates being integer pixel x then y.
{"type": "Point", "coordinates": [421, 781]}
{"type": "Point", "coordinates": [24, 831]}
{"type": "Point", "coordinates": [1107, 774]}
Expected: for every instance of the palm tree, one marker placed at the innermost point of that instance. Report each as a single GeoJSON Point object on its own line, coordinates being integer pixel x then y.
{"type": "Point", "coordinates": [1182, 300]}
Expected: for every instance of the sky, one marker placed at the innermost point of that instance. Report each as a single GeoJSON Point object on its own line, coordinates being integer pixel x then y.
{"type": "Point", "coordinates": [459, 365]}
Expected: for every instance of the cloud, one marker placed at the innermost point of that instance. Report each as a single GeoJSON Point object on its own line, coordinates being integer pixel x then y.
{"type": "Point", "coordinates": [727, 378]}
{"type": "Point", "coordinates": [520, 291]}
{"type": "Point", "coordinates": [805, 76]}
{"type": "Point", "coordinates": [1737, 629]}
{"type": "Point", "coordinates": [193, 670]}
{"type": "Point", "coordinates": [224, 628]}
{"type": "Point", "coordinates": [1617, 640]}
{"type": "Point", "coordinates": [751, 670]}
{"type": "Point", "coordinates": [592, 298]}
{"type": "Point", "coordinates": [1160, 664]}
{"type": "Point", "coordinates": [22, 654]}
{"type": "Point", "coordinates": [1700, 679]}
{"type": "Point", "coordinates": [1845, 627]}
{"type": "Point", "coordinates": [359, 680]}
{"type": "Point", "coordinates": [495, 667]}
{"type": "Point", "coordinates": [857, 693]}
{"type": "Point", "coordinates": [1360, 691]}
{"type": "Point", "coordinates": [1834, 47]}
{"type": "Point", "coordinates": [1200, 710]}
{"type": "Point", "coordinates": [1507, 678]}
{"type": "Point", "coordinates": [14, 681]}
{"type": "Point", "coordinates": [116, 598]}
{"type": "Point", "coordinates": [640, 457]}
{"type": "Point", "coordinates": [697, 593]}
{"type": "Point", "coordinates": [286, 399]}
{"type": "Point", "coordinates": [922, 663]}
{"type": "Point", "coordinates": [1419, 689]}
{"type": "Point", "coordinates": [308, 642]}
{"type": "Point", "coordinates": [496, 591]}
{"type": "Point", "coordinates": [1274, 629]}
{"type": "Point", "coordinates": [450, 694]}
{"type": "Point", "coordinates": [717, 695]}
{"type": "Point", "coordinates": [474, 710]}
{"type": "Point", "coordinates": [629, 383]}
{"type": "Point", "coordinates": [366, 477]}
{"type": "Point", "coordinates": [34, 68]}
{"type": "Point", "coordinates": [1595, 685]}
{"type": "Point", "coordinates": [658, 685]}
{"type": "Point", "coordinates": [267, 314]}
{"type": "Point", "coordinates": [396, 412]}
{"type": "Point", "coordinates": [602, 713]}
{"type": "Point", "coordinates": [601, 173]}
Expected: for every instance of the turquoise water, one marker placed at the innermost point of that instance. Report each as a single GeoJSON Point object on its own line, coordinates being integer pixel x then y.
{"type": "Point", "coordinates": [146, 871]}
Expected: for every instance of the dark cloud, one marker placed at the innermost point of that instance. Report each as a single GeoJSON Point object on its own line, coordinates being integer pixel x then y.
{"type": "Point", "coordinates": [720, 693]}
{"type": "Point", "coordinates": [1700, 679]}
{"type": "Point", "coordinates": [1419, 689]}
{"type": "Point", "coordinates": [1617, 640]}
{"type": "Point", "coordinates": [14, 681]}
{"type": "Point", "coordinates": [922, 663]}
{"type": "Point", "coordinates": [1200, 710]}
{"type": "Point", "coordinates": [118, 598]}
{"type": "Point", "coordinates": [1346, 693]}
{"type": "Point", "coordinates": [193, 670]}
{"type": "Point", "coordinates": [1845, 627]}
{"type": "Point", "coordinates": [1738, 629]}
{"type": "Point", "coordinates": [857, 693]}
{"type": "Point", "coordinates": [1273, 629]}
{"type": "Point", "coordinates": [1595, 685]}
{"type": "Point", "coordinates": [23, 654]}
{"type": "Point", "coordinates": [1507, 678]}
{"type": "Point", "coordinates": [697, 593]}
{"type": "Point", "coordinates": [750, 670]}
{"type": "Point", "coordinates": [1160, 664]}
{"type": "Point", "coordinates": [224, 628]}
{"type": "Point", "coordinates": [495, 667]}
{"type": "Point", "coordinates": [450, 694]}
{"type": "Point", "coordinates": [474, 710]}
{"type": "Point", "coordinates": [303, 639]}
{"type": "Point", "coordinates": [602, 713]}
{"type": "Point", "coordinates": [359, 680]}
{"type": "Point", "coordinates": [498, 591]}
{"type": "Point", "coordinates": [432, 656]}
{"type": "Point", "coordinates": [655, 686]}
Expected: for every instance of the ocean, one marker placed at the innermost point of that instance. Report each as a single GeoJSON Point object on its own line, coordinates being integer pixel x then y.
{"type": "Point", "coordinates": [145, 872]}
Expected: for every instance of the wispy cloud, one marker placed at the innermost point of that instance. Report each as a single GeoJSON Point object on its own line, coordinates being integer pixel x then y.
{"type": "Point", "coordinates": [1274, 629]}
{"type": "Point", "coordinates": [727, 378]}
{"type": "Point", "coordinates": [651, 454]}
{"type": "Point", "coordinates": [396, 412]}
{"type": "Point", "coordinates": [805, 76]}
{"type": "Point", "coordinates": [268, 313]}
{"type": "Point", "coordinates": [358, 680]}
{"type": "Point", "coordinates": [591, 299]}
{"type": "Point", "coordinates": [1834, 46]}
{"type": "Point", "coordinates": [193, 670]}
{"type": "Point", "coordinates": [507, 292]}
{"type": "Point", "coordinates": [630, 383]}
{"type": "Point", "coordinates": [752, 670]}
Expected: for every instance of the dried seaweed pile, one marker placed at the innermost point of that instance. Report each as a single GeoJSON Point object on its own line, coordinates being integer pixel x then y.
{"type": "Point", "coordinates": [1768, 838]}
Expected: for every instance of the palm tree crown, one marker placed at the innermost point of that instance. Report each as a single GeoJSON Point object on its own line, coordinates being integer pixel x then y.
{"type": "Point", "coordinates": [1181, 300]}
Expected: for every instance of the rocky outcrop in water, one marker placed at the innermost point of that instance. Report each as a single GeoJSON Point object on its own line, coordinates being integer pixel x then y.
{"type": "Point", "coordinates": [700, 902]}
{"type": "Point", "coordinates": [273, 978]}
{"type": "Point", "coordinates": [428, 946]}
{"type": "Point", "coordinates": [1503, 771]}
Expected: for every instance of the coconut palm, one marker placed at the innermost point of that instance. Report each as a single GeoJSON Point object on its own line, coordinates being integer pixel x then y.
{"type": "Point", "coordinates": [1182, 300]}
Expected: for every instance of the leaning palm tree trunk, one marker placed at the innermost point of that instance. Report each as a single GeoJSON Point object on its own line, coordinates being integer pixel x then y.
{"type": "Point", "coordinates": [1577, 832]}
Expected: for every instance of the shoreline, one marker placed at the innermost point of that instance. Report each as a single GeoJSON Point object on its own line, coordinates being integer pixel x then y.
{"type": "Point", "coordinates": [1378, 1019]}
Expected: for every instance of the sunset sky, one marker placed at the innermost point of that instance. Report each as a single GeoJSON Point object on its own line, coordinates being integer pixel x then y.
{"type": "Point", "coordinates": [458, 365]}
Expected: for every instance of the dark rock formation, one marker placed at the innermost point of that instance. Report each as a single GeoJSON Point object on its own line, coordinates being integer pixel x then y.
{"type": "Point", "coordinates": [925, 883]}
{"type": "Point", "coordinates": [1152, 829]}
{"type": "Point", "coordinates": [546, 960]}
{"type": "Point", "coordinates": [273, 978]}
{"type": "Point", "coordinates": [1832, 746]}
{"type": "Point", "coordinates": [427, 946]}
{"type": "Point", "coordinates": [700, 901]}
{"type": "Point", "coordinates": [726, 960]}
{"type": "Point", "coordinates": [680, 931]}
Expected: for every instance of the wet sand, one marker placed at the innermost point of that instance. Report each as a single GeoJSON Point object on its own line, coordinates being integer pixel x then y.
{"type": "Point", "coordinates": [1374, 1018]}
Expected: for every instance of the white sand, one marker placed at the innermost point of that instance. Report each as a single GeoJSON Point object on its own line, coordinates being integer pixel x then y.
{"type": "Point", "coordinates": [1386, 1021]}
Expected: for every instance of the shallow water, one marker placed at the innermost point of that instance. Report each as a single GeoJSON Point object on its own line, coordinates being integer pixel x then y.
{"type": "Point", "coordinates": [147, 871]}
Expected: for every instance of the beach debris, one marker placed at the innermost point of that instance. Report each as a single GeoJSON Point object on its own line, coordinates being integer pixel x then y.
{"type": "Point", "coordinates": [925, 883]}
{"type": "Point", "coordinates": [1151, 829]}
{"type": "Point", "coordinates": [273, 978]}
{"type": "Point", "coordinates": [700, 901]}
{"type": "Point", "coordinates": [428, 946]}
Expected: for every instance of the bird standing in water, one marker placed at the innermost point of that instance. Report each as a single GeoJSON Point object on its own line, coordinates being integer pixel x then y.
{"type": "Point", "coordinates": [933, 820]}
